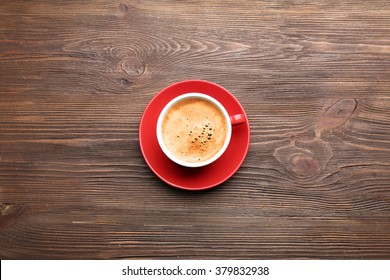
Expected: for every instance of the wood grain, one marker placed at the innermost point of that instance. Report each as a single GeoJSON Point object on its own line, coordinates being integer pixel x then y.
{"type": "Point", "coordinates": [314, 79]}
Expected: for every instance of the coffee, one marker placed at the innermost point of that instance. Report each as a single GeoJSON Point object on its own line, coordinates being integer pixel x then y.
{"type": "Point", "coordinates": [194, 129]}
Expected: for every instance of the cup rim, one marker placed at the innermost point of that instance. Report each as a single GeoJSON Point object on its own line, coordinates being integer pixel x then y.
{"type": "Point", "coordinates": [165, 110]}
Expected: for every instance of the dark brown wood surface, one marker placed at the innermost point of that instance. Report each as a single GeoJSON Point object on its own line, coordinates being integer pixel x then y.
{"type": "Point", "coordinates": [313, 77]}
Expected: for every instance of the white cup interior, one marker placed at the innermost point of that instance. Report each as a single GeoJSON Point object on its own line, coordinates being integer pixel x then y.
{"type": "Point", "coordinates": [160, 137]}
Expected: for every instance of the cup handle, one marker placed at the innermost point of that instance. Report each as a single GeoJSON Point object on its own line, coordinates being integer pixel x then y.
{"type": "Point", "coordinates": [237, 119]}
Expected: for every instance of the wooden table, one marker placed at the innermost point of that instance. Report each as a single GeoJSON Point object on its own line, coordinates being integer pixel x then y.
{"type": "Point", "coordinates": [313, 77]}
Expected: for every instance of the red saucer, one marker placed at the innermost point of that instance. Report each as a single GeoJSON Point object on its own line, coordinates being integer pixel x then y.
{"type": "Point", "coordinates": [193, 178]}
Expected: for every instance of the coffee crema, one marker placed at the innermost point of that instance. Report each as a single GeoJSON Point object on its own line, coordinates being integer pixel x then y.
{"type": "Point", "coordinates": [194, 129]}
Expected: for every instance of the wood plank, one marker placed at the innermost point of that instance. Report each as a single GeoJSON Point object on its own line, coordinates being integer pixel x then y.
{"type": "Point", "coordinates": [104, 232]}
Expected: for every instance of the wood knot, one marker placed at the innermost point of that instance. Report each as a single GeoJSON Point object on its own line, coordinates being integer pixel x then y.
{"type": "Point", "coordinates": [132, 66]}
{"type": "Point", "coordinates": [123, 7]}
{"type": "Point", "coordinates": [337, 114]}
{"type": "Point", "coordinates": [304, 159]}
{"type": "Point", "coordinates": [305, 166]}
{"type": "Point", "coordinates": [9, 212]}
{"type": "Point", "coordinates": [123, 82]}
{"type": "Point", "coordinates": [7, 208]}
